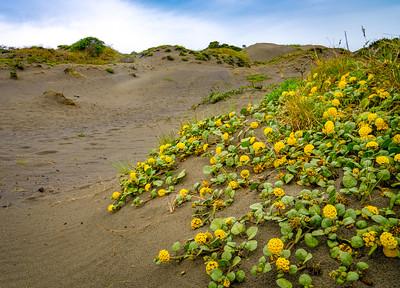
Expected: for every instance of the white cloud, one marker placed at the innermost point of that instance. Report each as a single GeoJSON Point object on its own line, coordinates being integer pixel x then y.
{"type": "Point", "coordinates": [130, 26]}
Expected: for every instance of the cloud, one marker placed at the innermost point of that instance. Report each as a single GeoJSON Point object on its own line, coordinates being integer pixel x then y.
{"type": "Point", "coordinates": [129, 26]}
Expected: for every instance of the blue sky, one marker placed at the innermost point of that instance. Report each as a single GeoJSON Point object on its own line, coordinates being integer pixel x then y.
{"type": "Point", "coordinates": [134, 25]}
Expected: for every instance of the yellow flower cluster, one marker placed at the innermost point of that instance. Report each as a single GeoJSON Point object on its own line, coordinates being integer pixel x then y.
{"type": "Point", "coordinates": [210, 266]}
{"type": "Point", "coordinates": [372, 117]}
{"type": "Point", "coordinates": [164, 147]}
{"type": "Point", "coordinates": [388, 240]}
{"type": "Point", "coordinates": [381, 124]}
{"type": "Point", "coordinates": [278, 146]}
{"type": "Point", "coordinates": [397, 158]}
{"type": "Point", "coordinates": [291, 140]}
{"type": "Point", "coordinates": [279, 192]}
{"type": "Point", "coordinates": [308, 149]}
{"type": "Point", "coordinates": [313, 90]}
{"type": "Point", "coordinates": [364, 131]}
{"type": "Point", "coordinates": [115, 195]}
{"type": "Point", "coordinates": [258, 146]}
{"type": "Point", "coordinates": [254, 125]}
{"type": "Point", "coordinates": [267, 130]}
{"type": "Point", "coordinates": [245, 174]}
{"type": "Point", "coordinates": [279, 162]}
{"type": "Point", "coordinates": [226, 282]}
{"type": "Point", "coordinates": [282, 264]}
{"type": "Point", "coordinates": [161, 192]}
{"type": "Point", "coordinates": [111, 208]}
{"type": "Point", "coordinates": [205, 190]}
{"type": "Point", "coordinates": [244, 159]}
{"type": "Point", "coordinates": [219, 203]}
{"type": "Point", "coordinates": [225, 136]}
{"type": "Point", "coordinates": [335, 102]}
{"type": "Point", "coordinates": [396, 138]}
{"type": "Point", "coordinates": [279, 205]}
{"type": "Point", "coordinates": [329, 127]}
{"type": "Point", "coordinates": [181, 146]}
{"type": "Point", "coordinates": [147, 187]}
{"type": "Point", "coordinates": [220, 234]}
{"type": "Point", "coordinates": [382, 160]}
{"type": "Point", "coordinates": [163, 256]}
{"type": "Point", "coordinates": [372, 209]}
{"type": "Point", "coordinates": [196, 223]}
{"type": "Point", "coordinates": [275, 246]}
{"type": "Point", "coordinates": [201, 238]}
{"type": "Point", "coordinates": [218, 150]}
{"type": "Point", "coordinates": [233, 184]}
{"type": "Point", "coordinates": [372, 144]}
{"type": "Point", "coordinates": [183, 192]}
{"type": "Point", "coordinates": [369, 238]}
{"type": "Point", "coordinates": [329, 211]}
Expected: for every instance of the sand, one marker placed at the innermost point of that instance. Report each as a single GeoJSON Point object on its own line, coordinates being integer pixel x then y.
{"type": "Point", "coordinates": [57, 171]}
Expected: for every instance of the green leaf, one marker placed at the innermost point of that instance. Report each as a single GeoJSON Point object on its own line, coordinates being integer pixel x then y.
{"type": "Point", "coordinates": [212, 284]}
{"type": "Point", "coordinates": [310, 241]}
{"type": "Point", "coordinates": [362, 266]}
{"type": "Point", "coordinates": [384, 174]}
{"type": "Point", "coordinates": [176, 246]}
{"type": "Point", "coordinates": [283, 283]}
{"type": "Point", "coordinates": [231, 276]}
{"type": "Point", "coordinates": [237, 228]}
{"type": "Point", "coordinates": [292, 269]}
{"type": "Point", "coordinates": [158, 183]}
{"type": "Point", "coordinates": [226, 256]}
{"type": "Point", "coordinates": [352, 276]}
{"type": "Point", "coordinates": [288, 177]}
{"type": "Point", "coordinates": [326, 222]}
{"type": "Point", "coordinates": [251, 232]}
{"type": "Point", "coordinates": [361, 224]}
{"type": "Point", "coordinates": [236, 261]}
{"type": "Point", "coordinates": [285, 253]}
{"type": "Point", "coordinates": [349, 181]}
{"type": "Point", "coordinates": [216, 223]}
{"type": "Point", "coordinates": [216, 275]}
{"type": "Point", "coordinates": [301, 254]}
{"type": "Point", "coordinates": [251, 245]}
{"type": "Point", "coordinates": [345, 258]}
{"type": "Point", "coordinates": [207, 169]}
{"type": "Point", "coordinates": [267, 267]}
{"type": "Point", "coordinates": [357, 242]}
{"type": "Point", "coordinates": [305, 280]}
{"type": "Point", "coordinates": [380, 219]}
{"type": "Point", "coordinates": [348, 221]}
{"type": "Point", "coordinates": [181, 175]}
{"type": "Point", "coordinates": [240, 276]}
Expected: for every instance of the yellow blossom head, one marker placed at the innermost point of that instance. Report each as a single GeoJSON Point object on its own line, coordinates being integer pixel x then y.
{"type": "Point", "coordinates": [254, 125]}
{"type": "Point", "coordinates": [372, 209]}
{"type": "Point", "coordinates": [111, 208]}
{"type": "Point", "coordinates": [278, 146]}
{"type": "Point", "coordinates": [200, 238]}
{"type": "Point", "coordinates": [275, 246]}
{"type": "Point", "coordinates": [382, 160]}
{"type": "Point", "coordinates": [244, 159]}
{"type": "Point", "coordinates": [211, 265]}
{"type": "Point", "coordinates": [163, 256]}
{"type": "Point", "coordinates": [329, 211]}
{"type": "Point", "coordinates": [181, 146]}
{"type": "Point", "coordinates": [245, 173]}
{"type": "Point", "coordinates": [115, 195]}
{"type": "Point", "coordinates": [279, 192]}
{"type": "Point", "coordinates": [267, 130]}
{"type": "Point", "coordinates": [372, 144]}
{"type": "Point", "coordinates": [396, 139]}
{"type": "Point", "coordinates": [220, 234]}
{"type": "Point", "coordinates": [335, 102]}
{"type": "Point", "coordinates": [196, 223]}
{"type": "Point", "coordinates": [308, 149]}
{"type": "Point", "coordinates": [233, 184]}
{"type": "Point", "coordinates": [282, 264]}
{"type": "Point", "coordinates": [388, 241]}
{"type": "Point", "coordinates": [329, 127]}
{"type": "Point", "coordinates": [183, 192]}
{"type": "Point", "coordinates": [161, 192]}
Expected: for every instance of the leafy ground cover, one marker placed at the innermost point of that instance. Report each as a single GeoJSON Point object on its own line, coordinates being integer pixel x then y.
{"type": "Point", "coordinates": [334, 136]}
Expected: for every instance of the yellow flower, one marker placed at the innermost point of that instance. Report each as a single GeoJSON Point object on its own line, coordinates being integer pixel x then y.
{"type": "Point", "coordinates": [369, 238]}
{"type": "Point", "coordinates": [279, 192]}
{"type": "Point", "coordinates": [335, 102]}
{"type": "Point", "coordinates": [313, 90]}
{"type": "Point", "coordinates": [147, 187]}
{"type": "Point", "coordinates": [372, 144]}
{"type": "Point", "coordinates": [210, 266]}
{"type": "Point", "coordinates": [298, 134]}
{"type": "Point", "coordinates": [353, 79]}
{"type": "Point", "coordinates": [244, 159]}
{"type": "Point", "coordinates": [218, 122]}
{"type": "Point", "coordinates": [383, 94]}
{"type": "Point", "coordinates": [370, 76]}
{"type": "Point", "coordinates": [205, 147]}
{"type": "Point", "coordinates": [226, 282]}
{"type": "Point", "coordinates": [364, 131]}
{"type": "Point", "coordinates": [181, 146]}
{"type": "Point", "coordinates": [232, 114]}
{"type": "Point", "coordinates": [218, 150]}
{"type": "Point", "coordinates": [183, 192]}
{"type": "Point", "coordinates": [245, 174]}
{"type": "Point", "coordinates": [204, 190]}
{"type": "Point", "coordinates": [338, 94]}
{"type": "Point", "coordinates": [163, 256]}
{"type": "Point", "coordinates": [329, 211]}
{"type": "Point", "coordinates": [278, 146]}
{"type": "Point", "coordinates": [291, 140]}
{"type": "Point", "coordinates": [233, 184]}
{"type": "Point", "coordinates": [332, 112]}
{"type": "Point", "coordinates": [279, 205]}
{"type": "Point", "coordinates": [219, 203]}
{"type": "Point", "coordinates": [329, 127]}
{"type": "Point", "coordinates": [275, 246]}
{"type": "Point", "coordinates": [381, 160]}
{"type": "Point", "coordinates": [396, 138]}
{"type": "Point", "coordinates": [220, 234]}
{"type": "Point", "coordinates": [372, 117]}
{"type": "Point", "coordinates": [388, 241]}
{"type": "Point", "coordinates": [279, 162]}
{"type": "Point", "coordinates": [161, 192]}
{"type": "Point", "coordinates": [267, 130]}
{"type": "Point", "coordinates": [362, 82]}
{"type": "Point", "coordinates": [254, 125]}
{"type": "Point", "coordinates": [258, 146]}
{"type": "Point", "coordinates": [252, 140]}
{"type": "Point", "coordinates": [308, 149]}
{"type": "Point", "coordinates": [282, 264]}
{"type": "Point", "coordinates": [381, 124]}
{"type": "Point", "coordinates": [213, 160]}
{"type": "Point", "coordinates": [397, 157]}
{"type": "Point", "coordinates": [342, 84]}
{"type": "Point", "coordinates": [225, 137]}
{"type": "Point", "coordinates": [196, 223]}
{"type": "Point", "coordinates": [372, 209]}
{"type": "Point", "coordinates": [115, 195]}
{"type": "Point", "coordinates": [201, 238]}
{"type": "Point", "coordinates": [110, 208]}
{"type": "Point", "coordinates": [132, 176]}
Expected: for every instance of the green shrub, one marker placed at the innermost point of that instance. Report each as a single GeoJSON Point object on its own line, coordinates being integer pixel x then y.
{"type": "Point", "coordinates": [93, 46]}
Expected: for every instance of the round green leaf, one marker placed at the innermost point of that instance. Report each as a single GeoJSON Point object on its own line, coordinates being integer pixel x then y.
{"type": "Point", "coordinates": [305, 280]}
{"type": "Point", "coordinates": [283, 283]}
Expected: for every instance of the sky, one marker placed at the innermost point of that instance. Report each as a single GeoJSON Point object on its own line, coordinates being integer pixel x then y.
{"type": "Point", "coordinates": [135, 25]}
